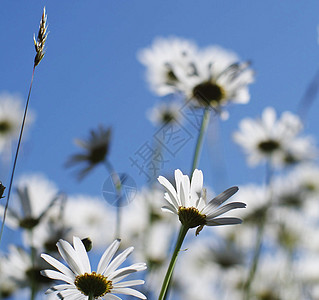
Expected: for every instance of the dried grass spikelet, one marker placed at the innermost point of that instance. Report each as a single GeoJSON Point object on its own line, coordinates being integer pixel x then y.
{"type": "Point", "coordinates": [40, 41]}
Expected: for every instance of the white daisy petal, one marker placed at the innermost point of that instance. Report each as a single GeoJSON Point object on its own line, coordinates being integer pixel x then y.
{"type": "Point", "coordinates": [128, 291]}
{"type": "Point", "coordinates": [57, 275]}
{"type": "Point", "coordinates": [222, 197]}
{"type": "Point", "coordinates": [117, 261]}
{"type": "Point", "coordinates": [59, 287]}
{"type": "Point", "coordinates": [70, 256]}
{"type": "Point", "coordinates": [170, 208]}
{"type": "Point", "coordinates": [107, 256]}
{"type": "Point", "coordinates": [211, 213]}
{"type": "Point", "coordinates": [83, 257]}
{"type": "Point", "coordinates": [59, 266]}
{"type": "Point", "coordinates": [111, 297]}
{"type": "Point", "coordinates": [170, 189]}
{"type": "Point", "coordinates": [224, 221]}
{"type": "Point", "coordinates": [120, 274]}
{"type": "Point", "coordinates": [196, 185]}
{"type": "Point", "coordinates": [129, 283]}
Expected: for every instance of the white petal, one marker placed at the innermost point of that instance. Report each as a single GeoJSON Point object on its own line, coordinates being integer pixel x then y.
{"type": "Point", "coordinates": [129, 283]}
{"type": "Point", "coordinates": [224, 221]}
{"type": "Point", "coordinates": [196, 185]}
{"type": "Point", "coordinates": [221, 210]}
{"type": "Point", "coordinates": [60, 287]}
{"type": "Point", "coordinates": [111, 297]}
{"type": "Point", "coordinates": [220, 199]}
{"type": "Point", "coordinates": [117, 261]}
{"type": "Point", "coordinates": [185, 191]}
{"type": "Point", "coordinates": [170, 189]}
{"type": "Point", "coordinates": [82, 254]}
{"type": "Point", "coordinates": [57, 275]}
{"type": "Point", "coordinates": [58, 265]}
{"type": "Point", "coordinates": [68, 293]}
{"type": "Point", "coordinates": [179, 186]}
{"type": "Point", "coordinates": [107, 256]}
{"type": "Point", "coordinates": [120, 274]}
{"type": "Point", "coordinates": [128, 291]}
{"type": "Point", "coordinates": [170, 208]}
{"type": "Point", "coordinates": [70, 256]}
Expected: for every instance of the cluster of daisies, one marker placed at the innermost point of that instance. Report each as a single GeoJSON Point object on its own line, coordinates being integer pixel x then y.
{"type": "Point", "coordinates": [266, 257]}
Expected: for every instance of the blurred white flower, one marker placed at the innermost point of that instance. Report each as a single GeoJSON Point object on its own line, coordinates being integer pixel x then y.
{"type": "Point", "coordinates": [219, 271]}
{"type": "Point", "coordinates": [276, 140]}
{"type": "Point", "coordinates": [276, 279]}
{"type": "Point", "coordinates": [164, 113]}
{"type": "Point", "coordinates": [220, 78]}
{"type": "Point", "coordinates": [11, 114]}
{"type": "Point", "coordinates": [82, 283]}
{"type": "Point", "coordinates": [35, 195]}
{"type": "Point", "coordinates": [168, 61]}
{"type": "Point", "coordinates": [7, 285]}
{"type": "Point", "coordinates": [146, 228]}
{"type": "Point", "coordinates": [189, 202]}
{"type": "Point", "coordinates": [212, 77]}
{"type": "Point", "coordinates": [87, 216]}
{"type": "Point", "coordinates": [22, 269]}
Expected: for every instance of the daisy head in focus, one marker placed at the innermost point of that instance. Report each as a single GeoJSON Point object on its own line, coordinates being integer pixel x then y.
{"type": "Point", "coordinates": [273, 139]}
{"type": "Point", "coordinates": [188, 201]}
{"type": "Point", "coordinates": [211, 77]}
{"type": "Point", "coordinates": [82, 283]}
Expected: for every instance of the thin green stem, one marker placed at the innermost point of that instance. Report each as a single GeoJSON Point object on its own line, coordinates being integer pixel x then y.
{"type": "Point", "coordinates": [200, 137]}
{"type": "Point", "coordinates": [118, 186]}
{"type": "Point", "coordinates": [91, 297]}
{"type": "Point", "coordinates": [169, 272]}
{"type": "Point", "coordinates": [259, 240]}
{"type": "Point", "coordinates": [16, 156]}
{"type": "Point", "coordinates": [33, 279]}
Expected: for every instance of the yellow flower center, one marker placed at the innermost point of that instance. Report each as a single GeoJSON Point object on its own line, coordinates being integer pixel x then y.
{"type": "Point", "coordinates": [93, 284]}
{"type": "Point", "coordinates": [191, 217]}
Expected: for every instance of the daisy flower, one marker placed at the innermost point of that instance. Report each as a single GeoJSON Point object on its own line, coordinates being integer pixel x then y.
{"type": "Point", "coordinates": [82, 283]}
{"type": "Point", "coordinates": [11, 113]}
{"type": "Point", "coordinates": [96, 150]}
{"type": "Point", "coordinates": [276, 140]}
{"type": "Point", "coordinates": [188, 201]}
{"type": "Point", "coordinates": [35, 197]}
{"type": "Point", "coordinates": [219, 79]}
{"type": "Point", "coordinates": [168, 61]}
{"type": "Point", "coordinates": [210, 77]}
{"type": "Point", "coordinates": [165, 113]}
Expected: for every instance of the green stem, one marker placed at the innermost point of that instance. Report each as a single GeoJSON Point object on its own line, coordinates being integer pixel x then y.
{"type": "Point", "coordinates": [118, 185]}
{"type": "Point", "coordinates": [91, 297]}
{"type": "Point", "coordinates": [16, 156]}
{"type": "Point", "coordinates": [179, 242]}
{"type": "Point", "coordinates": [259, 240]}
{"type": "Point", "coordinates": [200, 137]}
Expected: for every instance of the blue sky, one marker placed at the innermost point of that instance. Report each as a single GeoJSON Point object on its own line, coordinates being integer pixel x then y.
{"type": "Point", "coordinates": [90, 75]}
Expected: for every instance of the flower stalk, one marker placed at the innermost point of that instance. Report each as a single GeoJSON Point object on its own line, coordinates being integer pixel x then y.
{"type": "Point", "coordinates": [181, 236]}
{"type": "Point", "coordinates": [259, 240]}
{"type": "Point", "coordinates": [199, 143]}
